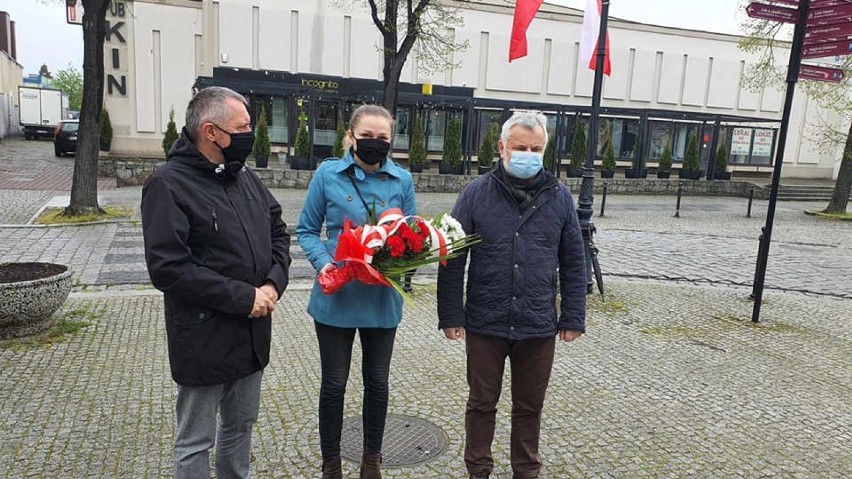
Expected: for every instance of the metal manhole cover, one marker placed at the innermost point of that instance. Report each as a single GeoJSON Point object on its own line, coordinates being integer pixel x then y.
{"type": "Point", "coordinates": [408, 440]}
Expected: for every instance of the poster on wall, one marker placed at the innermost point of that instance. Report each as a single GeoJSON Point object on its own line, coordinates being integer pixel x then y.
{"type": "Point", "coordinates": [762, 143]}
{"type": "Point", "coordinates": [741, 141]}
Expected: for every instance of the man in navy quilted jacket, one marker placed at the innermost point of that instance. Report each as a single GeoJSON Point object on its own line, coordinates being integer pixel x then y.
{"type": "Point", "coordinates": [531, 250]}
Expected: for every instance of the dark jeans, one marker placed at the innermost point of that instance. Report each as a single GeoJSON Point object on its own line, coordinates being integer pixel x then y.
{"type": "Point", "coordinates": [531, 361]}
{"type": "Point", "coordinates": [335, 345]}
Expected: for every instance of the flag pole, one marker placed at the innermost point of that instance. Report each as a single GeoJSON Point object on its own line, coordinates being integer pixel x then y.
{"type": "Point", "coordinates": [587, 190]}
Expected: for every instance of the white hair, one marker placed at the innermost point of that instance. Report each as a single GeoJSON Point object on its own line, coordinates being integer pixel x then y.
{"type": "Point", "coordinates": [526, 119]}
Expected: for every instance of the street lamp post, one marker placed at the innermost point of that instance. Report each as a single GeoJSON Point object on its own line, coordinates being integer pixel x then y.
{"type": "Point", "coordinates": [586, 200]}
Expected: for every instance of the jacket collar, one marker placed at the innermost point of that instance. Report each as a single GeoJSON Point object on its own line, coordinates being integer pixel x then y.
{"type": "Point", "coordinates": [343, 164]}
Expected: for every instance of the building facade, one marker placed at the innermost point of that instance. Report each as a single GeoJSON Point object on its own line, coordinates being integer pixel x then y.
{"type": "Point", "coordinates": [11, 75]}
{"type": "Point", "coordinates": [315, 61]}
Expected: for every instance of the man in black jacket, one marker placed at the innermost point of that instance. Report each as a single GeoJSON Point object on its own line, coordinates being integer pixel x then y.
{"type": "Point", "coordinates": [217, 248]}
{"type": "Point", "coordinates": [531, 249]}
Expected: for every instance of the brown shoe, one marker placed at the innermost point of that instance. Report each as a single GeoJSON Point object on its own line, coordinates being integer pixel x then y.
{"type": "Point", "coordinates": [371, 466]}
{"type": "Point", "coordinates": [332, 469]}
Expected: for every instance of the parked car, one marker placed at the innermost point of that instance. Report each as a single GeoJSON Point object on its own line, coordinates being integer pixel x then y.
{"type": "Point", "coordinates": [65, 137]}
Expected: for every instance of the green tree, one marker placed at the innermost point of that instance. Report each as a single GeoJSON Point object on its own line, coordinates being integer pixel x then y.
{"type": "Point", "coordinates": [691, 162]}
{"type": "Point", "coordinates": [171, 133]}
{"type": "Point", "coordinates": [608, 162]}
{"type": "Point", "coordinates": [417, 151]}
{"type": "Point", "coordinates": [550, 152]}
{"type": "Point", "coordinates": [488, 148]}
{"type": "Point", "coordinates": [106, 130]}
{"type": "Point", "coordinates": [303, 140]}
{"type": "Point", "coordinates": [261, 148]}
{"type": "Point", "coordinates": [452, 143]}
{"type": "Point", "coordinates": [665, 163]}
{"type": "Point", "coordinates": [424, 26]}
{"type": "Point", "coordinates": [721, 159]}
{"type": "Point", "coordinates": [578, 147]}
{"type": "Point", "coordinates": [761, 38]}
{"type": "Point", "coordinates": [70, 81]}
{"type": "Point", "coordinates": [338, 150]}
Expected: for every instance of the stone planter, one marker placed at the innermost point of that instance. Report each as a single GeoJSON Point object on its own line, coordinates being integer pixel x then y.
{"type": "Point", "coordinates": [31, 293]}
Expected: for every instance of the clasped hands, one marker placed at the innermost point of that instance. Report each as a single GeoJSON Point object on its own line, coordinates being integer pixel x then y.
{"type": "Point", "coordinates": [265, 298]}
{"type": "Point", "coordinates": [458, 333]}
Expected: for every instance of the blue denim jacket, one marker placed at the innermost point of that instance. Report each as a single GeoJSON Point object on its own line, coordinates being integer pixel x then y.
{"type": "Point", "coordinates": [332, 198]}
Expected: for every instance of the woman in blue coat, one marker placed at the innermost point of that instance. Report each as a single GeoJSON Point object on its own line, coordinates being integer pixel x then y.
{"type": "Point", "coordinates": [347, 189]}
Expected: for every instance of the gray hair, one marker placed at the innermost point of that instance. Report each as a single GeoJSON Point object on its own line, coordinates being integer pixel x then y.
{"type": "Point", "coordinates": [208, 105]}
{"type": "Point", "coordinates": [526, 119]}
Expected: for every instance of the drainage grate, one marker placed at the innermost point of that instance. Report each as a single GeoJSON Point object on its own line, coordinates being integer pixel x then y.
{"type": "Point", "coordinates": [408, 440]}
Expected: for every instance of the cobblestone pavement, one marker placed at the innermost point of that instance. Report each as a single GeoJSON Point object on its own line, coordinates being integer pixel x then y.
{"type": "Point", "coordinates": [711, 242]}
{"type": "Point", "coordinates": [671, 381]}
{"type": "Point", "coordinates": [31, 165]}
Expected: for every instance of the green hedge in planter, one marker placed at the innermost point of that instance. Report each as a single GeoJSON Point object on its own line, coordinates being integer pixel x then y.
{"type": "Point", "coordinates": [721, 159]}
{"type": "Point", "coordinates": [608, 162]}
{"type": "Point", "coordinates": [666, 160]}
{"type": "Point", "coordinates": [417, 150]}
{"type": "Point", "coordinates": [261, 147]}
{"type": "Point", "coordinates": [550, 153]}
{"type": "Point", "coordinates": [171, 133]}
{"type": "Point", "coordinates": [691, 162]}
{"type": "Point", "coordinates": [578, 149]}
{"type": "Point", "coordinates": [488, 148]}
{"type": "Point", "coordinates": [303, 140]}
{"type": "Point", "coordinates": [452, 144]}
{"type": "Point", "coordinates": [338, 150]}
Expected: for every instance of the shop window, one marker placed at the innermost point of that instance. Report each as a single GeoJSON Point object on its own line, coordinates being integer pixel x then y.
{"type": "Point", "coordinates": [436, 127]}
{"type": "Point", "coordinates": [325, 124]}
{"type": "Point", "coordinates": [661, 135]}
{"type": "Point", "coordinates": [486, 117]}
{"type": "Point", "coordinates": [403, 129]}
{"type": "Point", "coordinates": [278, 132]}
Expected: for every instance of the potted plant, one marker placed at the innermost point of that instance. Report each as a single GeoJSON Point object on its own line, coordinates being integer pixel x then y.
{"type": "Point", "coordinates": [721, 172]}
{"type": "Point", "coordinates": [608, 163]}
{"type": "Point", "coordinates": [261, 147]}
{"type": "Point", "coordinates": [171, 133]}
{"type": "Point", "coordinates": [301, 159]}
{"type": "Point", "coordinates": [665, 167]}
{"type": "Point", "coordinates": [417, 152]}
{"type": "Point", "coordinates": [338, 150]}
{"type": "Point", "coordinates": [578, 153]}
{"type": "Point", "coordinates": [488, 149]}
{"type": "Point", "coordinates": [691, 165]}
{"type": "Point", "coordinates": [451, 163]}
{"type": "Point", "coordinates": [550, 153]}
{"type": "Point", "coordinates": [106, 131]}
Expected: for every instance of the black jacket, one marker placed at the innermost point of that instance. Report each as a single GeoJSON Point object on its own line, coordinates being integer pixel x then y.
{"type": "Point", "coordinates": [525, 257]}
{"type": "Point", "coordinates": [210, 239]}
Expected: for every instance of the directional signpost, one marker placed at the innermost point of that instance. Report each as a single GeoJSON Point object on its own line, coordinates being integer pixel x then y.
{"type": "Point", "coordinates": [772, 12]}
{"type": "Point", "coordinates": [818, 17]}
{"type": "Point", "coordinates": [812, 72]}
{"type": "Point", "coordinates": [827, 49]}
{"type": "Point", "coordinates": [828, 33]}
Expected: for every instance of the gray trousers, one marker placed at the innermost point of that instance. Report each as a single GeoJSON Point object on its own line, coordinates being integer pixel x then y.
{"type": "Point", "coordinates": [237, 403]}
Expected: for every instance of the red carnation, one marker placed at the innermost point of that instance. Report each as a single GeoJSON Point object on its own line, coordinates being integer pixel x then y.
{"type": "Point", "coordinates": [422, 229]}
{"type": "Point", "coordinates": [415, 243]}
{"type": "Point", "coordinates": [396, 246]}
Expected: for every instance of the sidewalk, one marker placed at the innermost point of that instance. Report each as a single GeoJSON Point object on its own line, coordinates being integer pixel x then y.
{"type": "Point", "coordinates": [670, 381]}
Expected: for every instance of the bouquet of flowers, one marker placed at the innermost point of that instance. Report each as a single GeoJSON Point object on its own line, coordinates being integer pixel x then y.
{"type": "Point", "coordinates": [395, 245]}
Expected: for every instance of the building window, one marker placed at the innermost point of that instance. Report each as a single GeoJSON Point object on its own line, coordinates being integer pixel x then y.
{"type": "Point", "coordinates": [403, 129]}
{"type": "Point", "coordinates": [661, 135]}
{"type": "Point", "coordinates": [325, 125]}
{"type": "Point", "coordinates": [278, 132]}
{"type": "Point", "coordinates": [436, 127]}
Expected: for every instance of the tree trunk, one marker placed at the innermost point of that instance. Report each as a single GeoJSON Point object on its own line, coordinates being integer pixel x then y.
{"type": "Point", "coordinates": [842, 187]}
{"type": "Point", "coordinates": [392, 85]}
{"type": "Point", "coordinates": [84, 189]}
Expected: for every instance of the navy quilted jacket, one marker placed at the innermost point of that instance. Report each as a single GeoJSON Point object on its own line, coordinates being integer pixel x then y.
{"type": "Point", "coordinates": [524, 258]}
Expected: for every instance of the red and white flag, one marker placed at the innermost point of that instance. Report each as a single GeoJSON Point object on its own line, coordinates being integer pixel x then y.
{"type": "Point", "coordinates": [525, 11]}
{"type": "Point", "coordinates": [589, 37]}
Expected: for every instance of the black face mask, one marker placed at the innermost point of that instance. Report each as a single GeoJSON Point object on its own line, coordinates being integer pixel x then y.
{"type": "Point", "coordinates": [240, 147]}
{"type": "Point", "coordinates": [371, 150]}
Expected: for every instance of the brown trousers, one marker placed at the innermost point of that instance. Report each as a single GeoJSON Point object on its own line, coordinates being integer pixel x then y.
{"type": "Point", "coordinates": [530, 362]}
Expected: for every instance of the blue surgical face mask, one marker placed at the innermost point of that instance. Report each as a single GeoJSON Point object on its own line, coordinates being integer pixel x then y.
{"type": "Point", "coordinates": [524, 164]}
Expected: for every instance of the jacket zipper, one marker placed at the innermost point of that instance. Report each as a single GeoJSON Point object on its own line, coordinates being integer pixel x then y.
{"type": "Point", "coordinates": [215, 222]}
